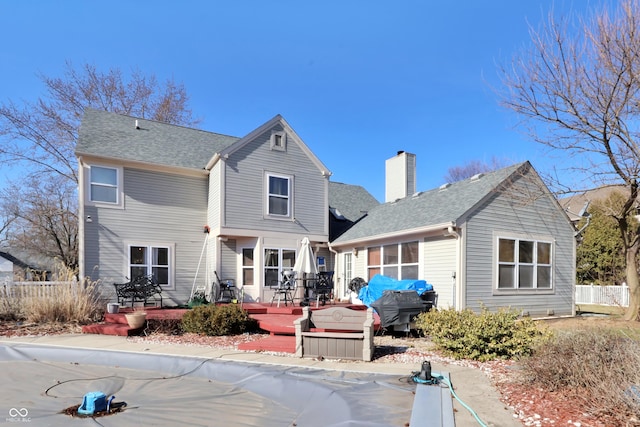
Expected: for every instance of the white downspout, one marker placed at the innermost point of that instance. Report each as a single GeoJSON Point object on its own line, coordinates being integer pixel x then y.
{"type": "Point", "coordinates": [335, 265]}
{"type": "Point", "coordinates": [451, 231]}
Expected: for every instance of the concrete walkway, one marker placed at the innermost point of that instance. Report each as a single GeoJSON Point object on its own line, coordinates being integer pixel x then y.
{"type": "Point", "coordinates": [471, 385]}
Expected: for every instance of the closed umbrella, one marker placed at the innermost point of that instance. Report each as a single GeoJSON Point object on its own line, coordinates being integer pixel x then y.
{"type": "Point", "coordinates": [305, 264]}
{"type": "Point", "coordinates": [306, 260]}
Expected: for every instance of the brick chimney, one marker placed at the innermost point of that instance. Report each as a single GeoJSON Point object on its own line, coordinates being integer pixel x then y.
{"type": "Point", "coordinates": [400, 179]}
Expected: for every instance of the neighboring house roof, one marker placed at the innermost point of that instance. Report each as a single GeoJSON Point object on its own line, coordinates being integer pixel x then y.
{"type": "Point", "coordinates": [15, 261]}
{"type": "Point", "coordinates": [347, 205]}
{"type": "Point", "coordinates": [574, 205]}
{"type": "Point", "coordinates": [437, 207]}
{"type": "Point", "coordinates": [115, 136]}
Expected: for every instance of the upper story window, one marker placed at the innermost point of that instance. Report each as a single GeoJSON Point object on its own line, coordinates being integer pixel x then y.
{"type": "Point", "coordinates": [524, 264]}
{"type": "Point", "coordinates": [103, 184]}
{"type": "Point", "coordinates": [279, 141]}
{"type": "Point", "coordinates": [278, 195]}
{"type": "Point", "coordinates": [398, 260]}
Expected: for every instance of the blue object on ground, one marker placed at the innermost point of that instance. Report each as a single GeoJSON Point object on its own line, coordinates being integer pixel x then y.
{"type": "Point", "coordinates": [93, 402]}
{"type": "Point", "coordinates": [379, 283]}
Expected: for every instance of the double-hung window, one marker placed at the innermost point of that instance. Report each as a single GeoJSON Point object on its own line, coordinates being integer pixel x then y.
{"type": "Point", "coordinates": [398, 260]}
{"type": "Point", "coordinates": [524, 264]}
{"type": "Point", "coordinates": [103, 186]}
{"type": "Point", "coordinates": [278, 189]}
{"type": "Point", "coordinates": [153, 261]}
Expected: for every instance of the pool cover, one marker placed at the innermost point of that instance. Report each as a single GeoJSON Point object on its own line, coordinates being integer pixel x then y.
{"type": "Point", "coordinates": [39, 382]}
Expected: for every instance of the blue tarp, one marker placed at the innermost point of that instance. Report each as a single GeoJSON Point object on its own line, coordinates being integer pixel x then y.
{"type": "Point", "coordinates": [379, 283]}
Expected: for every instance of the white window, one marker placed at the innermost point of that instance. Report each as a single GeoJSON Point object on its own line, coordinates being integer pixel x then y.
{"type": "Point", "coordinates": [275, 261]}
{"type": "Point", "coordinates": [104, 184]}
{"type": "Point", "coordinates": [279, 141]}
{"type": "Point", "coordinates": [398, 260]}
{"type": "Point", "coordinates": [247, 267]}
{"type": "Point", "coordinates": [348, 269]}
{"type": "Point", "coordinates": [151, 261]}
{"type": "Point", "coordinates": [278, 195]}
{"type": "Point", "coordinates": [524, 264]}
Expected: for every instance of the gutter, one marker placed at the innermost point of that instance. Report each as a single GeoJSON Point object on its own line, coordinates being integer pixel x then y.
{"type": "Point", "coordinates": [447, 226]}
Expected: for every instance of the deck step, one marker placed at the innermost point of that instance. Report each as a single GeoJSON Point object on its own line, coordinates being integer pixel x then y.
{"type": "Point", "coordinates": [275, 343]}
{"type": "Point", "coordinates": [118, 329]}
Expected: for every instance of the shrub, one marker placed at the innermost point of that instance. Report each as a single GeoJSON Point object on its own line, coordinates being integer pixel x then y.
{"type": "Point", "coordinates": [218, 320]}
{"type": "Point", "coordinates": [599, 367]}
{"type": "Point", "coordinates": [485, 336]}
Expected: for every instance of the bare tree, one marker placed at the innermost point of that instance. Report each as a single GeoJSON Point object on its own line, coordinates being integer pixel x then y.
{"type": "Point", "coordinates": [471, 168]}
{"type": "Point", "coordinates": [578, 89]}
{"type": "Point", "coordinates": [40, 138]}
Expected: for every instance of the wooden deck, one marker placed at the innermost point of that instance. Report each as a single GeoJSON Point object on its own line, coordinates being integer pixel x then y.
{"type": "Point", "coordinates": [277, 321]}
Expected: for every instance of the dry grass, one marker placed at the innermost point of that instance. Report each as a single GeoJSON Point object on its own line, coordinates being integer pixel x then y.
{"type": "Point", "coordinates": [66, 301]}
{"type": "Point", "coordinates": [74, 302]}
{"type": "Point", "coordinates": [596, 363]}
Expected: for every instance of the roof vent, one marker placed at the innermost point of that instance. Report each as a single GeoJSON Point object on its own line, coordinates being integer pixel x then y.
{"type": "Point", "coordinates": [416, 194]}
{"type": "Point", "coordinates": [477, 176]}
{"type": "Point", "coordinates": [137, 125]}
{"type": "Point", "coordinates": [445, 186]}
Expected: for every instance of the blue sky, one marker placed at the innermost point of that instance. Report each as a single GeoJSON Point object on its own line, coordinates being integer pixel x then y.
{"type": "Point", "coordinates": [358, 80]}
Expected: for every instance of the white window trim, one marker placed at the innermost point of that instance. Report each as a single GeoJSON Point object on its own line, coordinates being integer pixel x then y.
{"type": "Point", "coordinates": [518, 238]}
{"type": "Point", "coordinates": [149, 245]}
{"type": "Point", "coordinates": [246, 267]}
{"type": "Point", "coordinates": [119, 187]}
{"type": "Point", "coordinates": [290, 210]}
{"type": "Point", "coordinates": [400, 264]}
{"type": "Point", "coordinates": [274, 138]}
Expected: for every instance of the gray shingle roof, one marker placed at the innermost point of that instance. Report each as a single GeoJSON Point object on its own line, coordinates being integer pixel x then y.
{"type": "Point", "coordinates": [433, 207]}
{"type": "Point", "coordinates": [115, 136]}
{"type": "Point", "coordinates": [353, 201]}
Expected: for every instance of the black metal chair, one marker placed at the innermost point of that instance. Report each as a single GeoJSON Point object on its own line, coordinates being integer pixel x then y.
{"type": "Point", "coordinates": [324, 287]}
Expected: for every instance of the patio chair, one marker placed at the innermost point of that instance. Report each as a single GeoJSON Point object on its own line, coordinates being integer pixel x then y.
{"type": "Point", "coordinates": [284, 289]}
{"type": "Point", "coordinates": [324, 287]}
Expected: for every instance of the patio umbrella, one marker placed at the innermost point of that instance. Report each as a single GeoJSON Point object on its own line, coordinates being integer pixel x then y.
{"type": "Point", "coordinates": [306, 260]}
{"type": "Point", "coordinates": [305, 265]}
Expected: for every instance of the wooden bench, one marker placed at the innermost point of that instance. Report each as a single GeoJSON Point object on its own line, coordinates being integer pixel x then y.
{"type": "Point", "coordinates": [141, 289]}
{"type": "Point", "coordinates": [335, 333]}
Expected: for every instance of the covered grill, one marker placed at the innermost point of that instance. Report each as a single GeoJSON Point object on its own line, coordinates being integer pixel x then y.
{"type": "Point", "coordinates": [399, 308]}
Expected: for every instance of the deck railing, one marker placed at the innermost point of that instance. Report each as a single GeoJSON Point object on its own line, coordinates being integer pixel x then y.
{"type": "Point", "coordinates": [603, 295]}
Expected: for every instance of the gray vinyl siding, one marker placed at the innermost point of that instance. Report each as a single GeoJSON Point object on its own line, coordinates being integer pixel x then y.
{"type": "Point", "coordinates": [229, 261]}
{"type": "Point", "coordinates": [439, 263]}
{"type": "Point", "coordinates": [532, 218]}
{"type": "Point", "coordinates": [159, 209]}
{"type": "Point", "coordinates": [244, 194]}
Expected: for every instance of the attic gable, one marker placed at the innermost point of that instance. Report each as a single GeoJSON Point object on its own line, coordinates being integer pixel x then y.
{"type": "Point", "coordinates": [280, 137]}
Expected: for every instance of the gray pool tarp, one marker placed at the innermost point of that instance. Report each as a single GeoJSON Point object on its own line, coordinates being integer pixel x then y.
{"type": "Point", "coordinates": [38, 382]}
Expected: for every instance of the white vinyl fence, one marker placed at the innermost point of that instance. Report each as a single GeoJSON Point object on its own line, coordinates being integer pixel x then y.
{"type": "Point", "coordinates": [603, 295]}
{"type": "Point", "coordinates": [10, 289]}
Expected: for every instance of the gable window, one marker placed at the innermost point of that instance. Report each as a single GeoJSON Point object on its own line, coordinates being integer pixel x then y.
{"type": "Point", "coordinates": [103, 185]}
{"type": "Point", "coordinates": [524, 264]}
{"type": "Point", "coordinates": [398, 260]}
{"type": "Point", "coordinates": [279, 141]}
{"type": "Point", "coordinates": [278, 195]}
{"type": "Point", "coordinates": [247, 267]}
{"type": "Point", "coordinates": [145, 260]}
